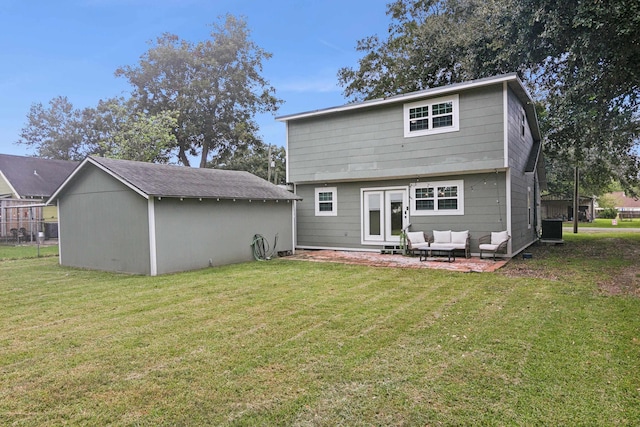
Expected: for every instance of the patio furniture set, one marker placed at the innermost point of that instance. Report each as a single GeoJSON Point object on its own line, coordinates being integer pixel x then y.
{"type": "Point", "coordinates": [447, 242]}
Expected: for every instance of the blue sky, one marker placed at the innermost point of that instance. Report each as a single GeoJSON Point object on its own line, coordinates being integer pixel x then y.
{"type": "Point", "coordinates": [72, 48]}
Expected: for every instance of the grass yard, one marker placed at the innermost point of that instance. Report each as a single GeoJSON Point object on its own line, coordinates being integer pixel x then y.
{"type": "Point", "coordinates": [27, 251]}
{"type": "Point", "coordinates": [554, 340]}
{"type": "Point", "coordinates": [607, 223]}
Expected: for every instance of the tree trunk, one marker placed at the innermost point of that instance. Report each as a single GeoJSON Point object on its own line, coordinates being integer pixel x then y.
{"type": "Point", "coordinates": [203, 157]}
{"type": "Point", "coordinates": [183, 157]}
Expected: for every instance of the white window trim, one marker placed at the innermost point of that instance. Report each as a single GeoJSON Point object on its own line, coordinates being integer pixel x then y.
{"type": "Point", "coordinates": [364, 238]}
{"type": "Point", "coordinates": [454, 99]}
{"type": "Point", "coordinates": [435, 212]}
{"type": "Point", "coordinates": [334, 201]}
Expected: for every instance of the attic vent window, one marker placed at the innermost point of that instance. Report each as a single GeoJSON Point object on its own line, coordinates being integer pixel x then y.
{"type": "Point", "coordinates": [431, 116]}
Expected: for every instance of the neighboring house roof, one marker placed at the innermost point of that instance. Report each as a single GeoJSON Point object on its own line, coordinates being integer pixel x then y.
{"type": "Point", "coordinates": [511, 79]}
{"type": "Point", "coordinates": [622, 201]}
{"type": "Point", "coordinates": [158, 180]}
{"type": "Point", "coordinates": [34, 177]}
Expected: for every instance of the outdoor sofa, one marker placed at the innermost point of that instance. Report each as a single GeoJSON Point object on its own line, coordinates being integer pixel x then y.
{"type": "Point", "coordinates": [445, 239]}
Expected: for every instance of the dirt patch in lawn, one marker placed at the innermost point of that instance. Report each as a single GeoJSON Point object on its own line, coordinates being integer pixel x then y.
{"type": "Point", "coordinates": [625, 282]}
{"type": "Point", "coordinates": [621, 280]}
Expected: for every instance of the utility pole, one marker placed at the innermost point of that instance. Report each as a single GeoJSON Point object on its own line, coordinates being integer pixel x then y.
{"type": "Point", "coordinates": [576, 203]}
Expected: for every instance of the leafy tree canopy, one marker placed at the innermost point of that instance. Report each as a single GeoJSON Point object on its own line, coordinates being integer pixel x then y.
{"type": "Point", "coordinates": [580, 60]}
{"type": "Point", "coordinates": [121, 132]}
{"type": "Point", "coordinates": [189, 99]}
{"type": "Point", "coordinates": [55, 132]}
{"type": "Point", "coordinates": [214, 85]}
{"type": "Point", "coordinates": [112, 129]}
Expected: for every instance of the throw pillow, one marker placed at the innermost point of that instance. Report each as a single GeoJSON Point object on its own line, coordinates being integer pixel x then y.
{"type": "Point", "coordinates": [459, 236]}
{"type": "Point", "coordinates": [441, 236]}
{"type": "Point", "coordinates": [415, 237]}
{"type": "Point", "coordinates": [498, 237]}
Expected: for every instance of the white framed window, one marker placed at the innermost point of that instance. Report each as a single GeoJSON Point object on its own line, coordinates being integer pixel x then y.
{"type": "Point", "coordinates": [523, 123]}
{"type": "Point", "coordinates": [431, 116]}
{"type": "Point", "coordinates": [437, 198]}
{"type": "Point", "coordinates": [326, 201]}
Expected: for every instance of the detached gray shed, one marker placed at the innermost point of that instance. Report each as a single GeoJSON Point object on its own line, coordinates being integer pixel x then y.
{"type": "Point", "coordinates": [145, 218]}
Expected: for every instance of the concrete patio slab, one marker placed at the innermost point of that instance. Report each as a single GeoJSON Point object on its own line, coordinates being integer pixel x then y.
{"type": "Point", "coordinates": [374, 259]}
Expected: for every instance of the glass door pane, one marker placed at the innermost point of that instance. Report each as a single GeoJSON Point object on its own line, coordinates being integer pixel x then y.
{"type": "Point", "coordinates": [396, 203]}
{"type": "Point", "coordinates": [373, 215]}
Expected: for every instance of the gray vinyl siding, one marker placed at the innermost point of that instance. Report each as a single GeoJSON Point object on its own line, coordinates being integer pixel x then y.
{"type": "Point", "coordinates": [103, 225]}
{"type": "Point", "coordinates": [518, 155]}
{"type": "Point", "coordinates": [189, 233]}
{"type": "Point", "coordinates": [340, 231]}
{"type": "Point", "coordinates": [370, 144]}
{"type": "Point", "coordinates": [485, 211]}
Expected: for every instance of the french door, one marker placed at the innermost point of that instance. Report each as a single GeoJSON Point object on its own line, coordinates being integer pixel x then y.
{"type": "Point", "coordinates": [385, 213]}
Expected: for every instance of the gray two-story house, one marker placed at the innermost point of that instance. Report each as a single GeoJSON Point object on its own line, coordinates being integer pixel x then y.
{"type": "Point", "coordinates": [460, 157]}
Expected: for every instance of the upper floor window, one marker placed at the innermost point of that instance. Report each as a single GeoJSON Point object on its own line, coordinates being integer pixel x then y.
{"type": "Point", "coordinates": [431, 116]}
{"type": "Point", "coordinates": [326, 201]}
{"type": "Point", "coordinates": [438, 198]}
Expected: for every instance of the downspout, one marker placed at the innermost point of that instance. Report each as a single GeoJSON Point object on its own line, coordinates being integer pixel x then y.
{"type": "Point", "coordinates": [294, 221]}
{"type": "Point", "coordinates": [59, 233]}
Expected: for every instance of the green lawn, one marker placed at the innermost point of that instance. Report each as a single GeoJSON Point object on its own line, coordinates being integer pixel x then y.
{"type": "Point", "coordinates": [607, 223]}
{"type": "Point", "coordinates": [26, 251]}
{"type": "Point", "coordinates": [554, 340]}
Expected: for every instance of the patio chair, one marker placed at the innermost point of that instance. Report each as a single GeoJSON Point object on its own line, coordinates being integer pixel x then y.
{"type": "Point", "coordinates": [416, 240]}
{"type": "Point", "coordinates": [23, 234]}
{"type": "Point", "coordinates": [494, 243]}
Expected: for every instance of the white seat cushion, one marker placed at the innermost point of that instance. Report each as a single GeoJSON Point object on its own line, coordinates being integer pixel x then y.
{"type": "Point", "coordinates": [442, 236]}
{"type": "Point", "coordinates": [488, 247]}
{"type": "Point", "coordinates": [498, 237]}
{"type": "Point", "coordinates": [415, 237]}
{"type": "Point", "coordinates": [423, 245]}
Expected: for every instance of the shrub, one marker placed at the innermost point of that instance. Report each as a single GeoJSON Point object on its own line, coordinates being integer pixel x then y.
{"type": "Point", "coordinates": [609, 213]}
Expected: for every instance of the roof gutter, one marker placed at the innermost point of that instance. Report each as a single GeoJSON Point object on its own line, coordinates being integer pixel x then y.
{"type": "Point", "coordinates": [406, 97]}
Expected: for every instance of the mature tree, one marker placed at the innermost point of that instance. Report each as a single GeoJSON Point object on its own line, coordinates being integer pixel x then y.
{"type": "Point", "coordinates": [257, 161]}
{"type": "Point", "coordinates": [590, 80]}
{"type": "Point", "coordinates": [112, 129]}
{"type": "Point", "coordinates": [119, 131]}
{"type": "Point", "coordinates": [216, 86]}
{"type": "Point", "coordinates": [55, 132]}
{"type": "Point", "coordinates": [580, 59]}
{"type": "Point", "coordinates": [434, 43]}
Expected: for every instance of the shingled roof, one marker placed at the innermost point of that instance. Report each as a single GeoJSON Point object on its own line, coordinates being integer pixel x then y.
{"type": "Point", "coordinates": [156, 180]}
{"type": "Point", "coordinates": [34, 177]}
